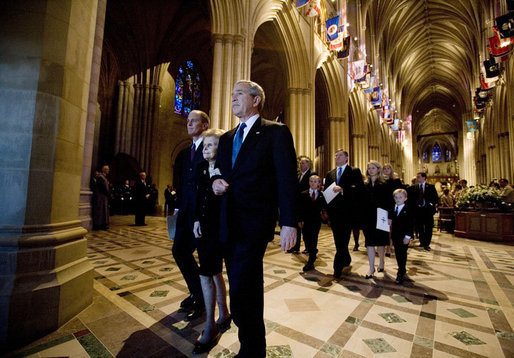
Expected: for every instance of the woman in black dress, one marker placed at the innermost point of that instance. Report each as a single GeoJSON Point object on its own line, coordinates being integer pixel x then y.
{"type": "Point", "coordinates": [392, 182]}
{"type": "Point", "coordinates": [375, 196]}
{"type": "Point", "coordinates": [206, 231]}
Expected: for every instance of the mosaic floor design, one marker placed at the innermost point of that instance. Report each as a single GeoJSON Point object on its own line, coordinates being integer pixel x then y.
{"type": "Point", "coordinates": [457, 302]}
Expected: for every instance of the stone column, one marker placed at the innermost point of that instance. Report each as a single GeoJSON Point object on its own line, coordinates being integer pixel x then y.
{"type": "Point", "coordinates": [45, 276]}
{"type": "Point", "coordinates": [360, 148]}
{"type": "Point", "coordinates": [338, 134]}
{"type": "Point", "coordinates": [301, 121]}
{"type": "Point", "coordinates": [85, 212]}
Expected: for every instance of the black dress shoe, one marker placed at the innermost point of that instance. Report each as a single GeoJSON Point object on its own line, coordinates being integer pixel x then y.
{"type": "Point", "coordinates": [225, 325]}
{"type": "Point", "coordinates": [197, 312]}
{"type": "Point", "coordinates": [207, 346]}
{"type": "Point", "coordinates": [187, 304]}
{"type": "Point", "coordinates": [368, 277]}
{"type": "Point", "coordinates": [380, 270]}
{"type": "Point", "coordinates": [399, 280]}
{"type": "Point", "coordinates": [388, 255]}
{"type": "Point", "coordinates": [427, 248]}
{"type": "Point", "coordinates": [308, 267]}
{"type": "Point", "coordinates": [305, 252]}
{"type": "Point", "coordinates": [337, 274]}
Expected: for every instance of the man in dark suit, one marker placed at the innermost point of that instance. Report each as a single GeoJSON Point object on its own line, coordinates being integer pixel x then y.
{"type": "Point", "coordinates": [257, 162]}
{"type": "Point", "coordinates": [184, 243]}
{"type": "Point", "coordinates": [141, 196]}
{"type": "Point", "coordinates": [342, 210]}
{"type": "Point", "coordinates": [303, 184]}
{"type": "Point", "coordinates": [424, 199]}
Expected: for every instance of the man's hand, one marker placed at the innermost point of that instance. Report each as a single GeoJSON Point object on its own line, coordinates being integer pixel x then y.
{"type": "Point", "coordinates": [219, 186]}
{"type": "Point", "coordinates": [197, 230]}
{"type": "Point", "coordinates": [287, 237]}
{"type": "Point", "coordinates": [337, 189]}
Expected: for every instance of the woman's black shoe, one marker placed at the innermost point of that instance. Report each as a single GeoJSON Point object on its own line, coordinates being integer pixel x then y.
{"type": "Point", "coordinates": [225, 325]}
{"type": "Point", "coordinates": [206, 347]}
{"type": "Point", "coordinates": [380, 270]}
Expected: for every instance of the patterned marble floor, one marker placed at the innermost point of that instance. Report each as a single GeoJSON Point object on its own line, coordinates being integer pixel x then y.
{"type": "Point", "coordinates": [459, 302]}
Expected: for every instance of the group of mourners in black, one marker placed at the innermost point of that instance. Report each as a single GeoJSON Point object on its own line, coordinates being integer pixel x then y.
{"type": "Point", "coordinates": [408, 210]}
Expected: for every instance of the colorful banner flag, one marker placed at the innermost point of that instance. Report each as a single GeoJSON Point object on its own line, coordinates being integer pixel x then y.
{"type": "Point", "coordinates": [505, 25]}
{"type": "Point", "coordinates": [332, 28]}
{"type": "Point", "coordinates": [472, 125]}
{"type": "Point", "coordinates": [337, 44]}
{"type": "Point", "coordinates": [396, 124]}
{"type": "Point", "coordinates": [313, 9]}
{"type": "Point", "coordinates": [300, 3]}
{"type": "Point", "coordinates": [358, 69]}
{"type": "Point", "coordinates": [495, 47]}
{"type": "Point", "coordinates": [376, 97]}
{"type": "Point", "coordinates": [491, 70]}
{"type": "Point", "coordinates": [345, 50]}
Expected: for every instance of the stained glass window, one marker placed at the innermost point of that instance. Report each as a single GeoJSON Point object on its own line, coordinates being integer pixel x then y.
{"type": "Point", "coordinates": [447, 155]}
{"type": "Point", "coordinates": [187, 88]}
{"type": "Point", "coordinates": [436, 153]}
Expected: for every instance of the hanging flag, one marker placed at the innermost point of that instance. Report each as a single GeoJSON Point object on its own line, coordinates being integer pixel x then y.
{"type": "Point", "coordinates": [396, 125]}
{"type": "Point", "coordinates": [337, 44]}
{"type": "Point", "coordinates": [491, 70]}
{"type": "Point", "coordinates": [496, 49]}
{"type": "Point", "coordinates": [357, 69]}
{"type": "Point", "coordinates": [504, 42]}
{"type": "Point", "coordinates": [505, 25]}
{"type": "Point", "coordinates": [481, 93]}
{"type": "Point", "coordinates": [472, 125]}
{"type": "Point", "coordinates": [300, 3]}
{"type": "Point", "coordinates": [313, 9]}
{"type": "Point", "coordinates": [386, 113]}
{"type": "Point", "coordinates": [332, 28]}
{"type": "Point", "coordinates": [369, 84]}
{"type": "Point", "coordinates": [345, 50]}
{"type": "Point", "coordinates": [376, 97]}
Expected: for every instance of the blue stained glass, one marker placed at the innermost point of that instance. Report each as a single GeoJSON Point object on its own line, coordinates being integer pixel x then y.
{"type": "Point", "coordinates": [187, 89]}
{"type": "Point", "coordinates": [436, 153]}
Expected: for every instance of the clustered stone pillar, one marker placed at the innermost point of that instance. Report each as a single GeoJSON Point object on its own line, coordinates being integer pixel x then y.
{"type": "Point", "coordinates": [301, 121]}
{"type": "Point", "coordinates": [505, 167]}
{"type": "Point", "coordinates": [45, 276]}
{"type": "Point", "coordinates": [360, 149]}
{"type": "Point", "coordinates": [469, 161]}
{"type": "Point", "coordinates": [338, 133]}
{"type": "Point", "coordinates": [230, 65]}
{"type": "Point", "coordinates": [137, 112]}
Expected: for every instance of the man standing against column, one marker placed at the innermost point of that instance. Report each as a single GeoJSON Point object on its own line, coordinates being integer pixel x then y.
{"type": "Point", "coordinates": [184, 244]}
{"type": "Point", "coordinates": [425, 198]}
{"type": "Point", "coordinates": [343, 208]}
{"type": "Point", "coordinates": [257, 162]}
{"type": "Point", "coordinates": [141, 196]}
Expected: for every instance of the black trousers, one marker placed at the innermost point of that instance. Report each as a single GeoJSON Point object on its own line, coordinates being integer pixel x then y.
{"type": "Point", "coordinates": [342, 231]}
{"type": "Point", "coordinates": [310, 236]}
{"type": "Point", "coordinates": [424, 224]}
{"type": "Point", "coordinates": [400, 251]}
{"type": "Point", "coordinates": [183, 248]}
{"type": "Point", "coordinates": [296, 247]}
{"type": "Point", "coordinates": [140, 213]}
{"type": "Point", "coordinates": [246, 289]}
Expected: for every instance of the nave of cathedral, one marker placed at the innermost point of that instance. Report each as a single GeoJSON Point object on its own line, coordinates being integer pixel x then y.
{"type": "Point", "coordinates": [456, 303]}
{"type": "Point", "coordinates": [425, 85]}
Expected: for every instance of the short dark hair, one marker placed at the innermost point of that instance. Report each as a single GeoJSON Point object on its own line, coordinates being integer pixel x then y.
{"type": "Point", "coordinates": [205, 116]}
{"type": "Point", "coordinates": [504, 180]}
{"type": "Point", "coordinates": [342, 150]}
{"type": "Point", "coordinates": [423, 174]}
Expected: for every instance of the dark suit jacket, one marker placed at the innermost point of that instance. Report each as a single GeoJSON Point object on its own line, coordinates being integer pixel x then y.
{"type": "Point", "coordinates": [304, 183]}
{"type": "Point", "coordinates": [352, 184]}
{"type": "Point", "coordinates": [184, 181]}
{"type": "Point", "coordinates": [263, 179]}
{"type": "Point", "coordinates": [309, 210]}
{"type": "Point", "coordinates": [430, 197]}
{"type": "Point", "coordinates": [140, 191]}
{"type": "Point", "coordinates": [402, 224]}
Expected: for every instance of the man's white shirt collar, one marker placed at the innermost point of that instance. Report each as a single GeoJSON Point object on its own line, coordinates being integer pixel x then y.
{"type": "Point", "coordinates": [198, 142]}
{"type": "Point", "coordinates": [249, 124]}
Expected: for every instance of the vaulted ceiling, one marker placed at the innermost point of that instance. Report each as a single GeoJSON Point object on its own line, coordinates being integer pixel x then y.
{"type": "Point", "coordinates": [429, 52]}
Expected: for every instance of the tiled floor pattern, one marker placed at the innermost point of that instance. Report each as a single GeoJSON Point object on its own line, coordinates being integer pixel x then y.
{"type": "Point", "coordinates": [457, 304]}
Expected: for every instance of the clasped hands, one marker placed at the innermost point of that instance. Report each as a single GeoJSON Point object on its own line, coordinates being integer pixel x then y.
{"type": "Point", "coordinates": [287, 233]}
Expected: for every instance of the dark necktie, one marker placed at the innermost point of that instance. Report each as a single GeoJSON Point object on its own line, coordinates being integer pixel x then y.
{"type": "Point", "coordinates": [421, 200]}
{"type": "Point", "coordinates": [238, 141]}
{"type": "Point", "coordinates": [193, 150]}
{"type": "Point", "coordinates": [339, 174]}
{"type": "Point", "coordinates": [397, 211]}
{"type": "Point", "coordinates": [313, 196]}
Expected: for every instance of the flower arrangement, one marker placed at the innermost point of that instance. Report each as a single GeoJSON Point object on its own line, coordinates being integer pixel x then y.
{"type": "Point", "coordinates": [481, 196]}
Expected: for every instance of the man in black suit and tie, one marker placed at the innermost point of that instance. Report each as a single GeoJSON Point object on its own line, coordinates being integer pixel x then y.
{"type": "Point", "coordinates": [257, 162]}
{"type": "Point", "coordinates": [342, 210]}
{"type": "Point", "coordinates": [303, 184]}
{"type": "Point", "coordinates": [424, 198]}
{"type": "Point", "coordinates": [184, 243]}
{"type": "Point", "coordinates": [141, 196]}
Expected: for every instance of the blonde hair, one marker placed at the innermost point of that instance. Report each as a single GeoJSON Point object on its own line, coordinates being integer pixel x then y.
{"type": "Point", "coordinates": [213, 132]}
{"type": "Point", "coordinates": [400, 190]}
{"type": "Point", "coordinates": [380, 177]}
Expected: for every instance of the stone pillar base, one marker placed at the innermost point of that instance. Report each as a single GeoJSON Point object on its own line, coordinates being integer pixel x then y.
{"type": "Point", "coordinates": [45, 279]}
